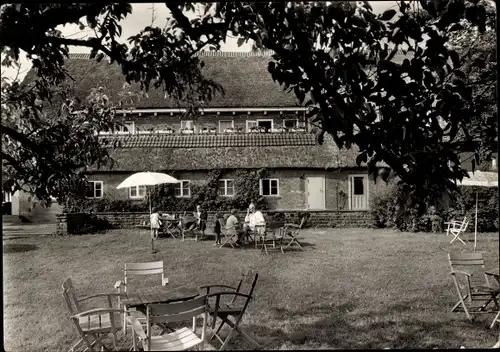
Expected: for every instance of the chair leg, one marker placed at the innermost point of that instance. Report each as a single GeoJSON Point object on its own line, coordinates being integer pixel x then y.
{"type": "Point", "coordinates": [495, 320]}
{"type": "Point", "coordinates": [218, 329]}
{"type": "Point", "coordinates": [462, 302]}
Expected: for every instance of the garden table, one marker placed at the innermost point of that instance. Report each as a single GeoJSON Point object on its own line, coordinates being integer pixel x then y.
{"type": "Point", "coordinates": [496, 274]}
{"type": "Point", "coordinates": [140, 298]}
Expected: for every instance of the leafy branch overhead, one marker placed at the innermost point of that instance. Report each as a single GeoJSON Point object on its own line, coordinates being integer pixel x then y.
{"type": "Point", "coordinates": [338, 58]}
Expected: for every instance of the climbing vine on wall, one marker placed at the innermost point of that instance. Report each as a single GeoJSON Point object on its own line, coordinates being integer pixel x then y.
{"type": "Point", "coordinates": [246, 186]}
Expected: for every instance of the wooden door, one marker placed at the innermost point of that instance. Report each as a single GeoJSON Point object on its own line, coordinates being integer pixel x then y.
{"type": "Point", "coordinates": [358, 192]}
{"type": "Point", "coordinates": [315, 192]}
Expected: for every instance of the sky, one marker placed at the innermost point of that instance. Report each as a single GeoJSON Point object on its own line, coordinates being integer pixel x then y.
{"type": "Point", "coordinates": [142, 16]}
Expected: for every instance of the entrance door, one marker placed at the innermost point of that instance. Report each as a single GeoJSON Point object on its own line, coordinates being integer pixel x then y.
{"type": "Point", "coordinates": [315, 193]}
{"type": "Point", "coordinates": [358, 192]}
{"type": "Point", "coordinates": [7, 203]}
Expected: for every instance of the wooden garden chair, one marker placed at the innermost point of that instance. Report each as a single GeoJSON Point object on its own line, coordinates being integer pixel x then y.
{"type": "Point", "coordinates": [178, 340]}
{"type": "Point", "coordinates": [474, 293]}
{"type": "Point", "coordinates": [232, 302]}
{"type": "Point", "coordinates": [138, 269]}
{"type": "Point", "coordinates": [456, 228]}
{"type": "Point", "coordinates": [268, 240]}
{"type": "Point", "coordinates": [94, 324]}
{"type": "Point", "coordinates": [229, 236]}
{"type": "Point", "coordinates": [190, 233]}
{"type": "Point", "coordinates": [293, 231]}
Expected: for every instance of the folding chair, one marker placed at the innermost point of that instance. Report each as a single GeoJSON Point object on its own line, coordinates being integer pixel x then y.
{"type": "Point", "coordinates": [191, 231]}
{"type": "Point", "coordinates": [456, 228]}
{"type": "Point", "coordinates": [473, 293]}
{"type": "Point", "coordinates": [94, 324]}
{"type": "Point", "coordinates": [235, 308]}
{"type": "Point", "coordinates": [132, 269]}
{"type": "Point", "coordinates": [230, 236]}
{"type": "Point", "coordinates": [268, 237]}
{"type": "Point", "coordinates": [178, 340]}
{"type": "Point", "coordinates": [292, 231]}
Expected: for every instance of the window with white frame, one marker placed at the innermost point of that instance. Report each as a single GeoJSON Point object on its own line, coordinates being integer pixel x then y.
{"type": "Point", "coordinates": [226, 188]}
{"type": "Point", "coordinates": [187, 124]}
{"type": "Point", "coordinates": [183, 188]}
{"type": "Point", "coordinates": [95, 189]}
{"type": "Point", "coordinates": [225, 125]}
{"type": "Point", "coordinates": [269, 187]}
{"type": "Point", "coordinates": [290, 123]}
{"type": "Point", "coordinates": [265, 124]}
{"type": "Point", "coordinates": [126, 128]}
{"type": "Point", "coordinates": [251, 124]}
{"type": "Point", "coordinates": [136, 192]}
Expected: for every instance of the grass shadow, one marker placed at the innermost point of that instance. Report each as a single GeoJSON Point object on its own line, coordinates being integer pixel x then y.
{"type": "Point", "coordinates": [18, 248]}
{"type": "Point", "coordinates": [339, 328]}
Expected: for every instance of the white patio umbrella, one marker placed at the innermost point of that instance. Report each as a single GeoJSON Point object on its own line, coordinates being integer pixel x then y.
{"type": "Point", "coordinates": [481, 179]}
{"type": "Point", "coordinates": [147, 179]}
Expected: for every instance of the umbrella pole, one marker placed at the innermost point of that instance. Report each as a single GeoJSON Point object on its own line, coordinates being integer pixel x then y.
{"type": "Point", "coordinates": [475, 226]}
{"type": "Point", "coordinates": [150, 223]}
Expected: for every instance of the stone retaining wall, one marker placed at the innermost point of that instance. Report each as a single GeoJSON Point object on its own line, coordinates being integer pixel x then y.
{"type": "Point", "coordinates": [77, 223]}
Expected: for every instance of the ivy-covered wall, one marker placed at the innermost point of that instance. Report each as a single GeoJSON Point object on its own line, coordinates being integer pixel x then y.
{"type": "Point", "coordinates": [204, 191]}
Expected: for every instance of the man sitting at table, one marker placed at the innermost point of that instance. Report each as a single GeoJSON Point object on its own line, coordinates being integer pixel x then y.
{"type": "Point", "coordinates": [232, 224]}
{"type": "Point", "coordinates": [254, 218]}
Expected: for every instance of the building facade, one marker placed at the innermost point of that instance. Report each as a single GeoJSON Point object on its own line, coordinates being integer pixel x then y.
{"type": "Point", "coordinates": [254, 125]}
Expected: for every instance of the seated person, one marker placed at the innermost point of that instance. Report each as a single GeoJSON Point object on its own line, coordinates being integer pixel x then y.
{"type": "Point", "coordinates": [232, 224]}
{"type": "Point", "coordinates": [189, 221]}
{"type": "Point", "coordinates": [254, 218]}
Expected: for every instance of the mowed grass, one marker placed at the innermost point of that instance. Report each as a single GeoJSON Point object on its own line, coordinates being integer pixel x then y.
{"type": "Point", "coordinates": [350, 288]}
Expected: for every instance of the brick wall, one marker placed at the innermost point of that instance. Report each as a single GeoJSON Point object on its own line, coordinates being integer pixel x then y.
{"type": "Point", "coordinates": [68, 223]}
{"type": "Point", "coordinates": [292, 188]}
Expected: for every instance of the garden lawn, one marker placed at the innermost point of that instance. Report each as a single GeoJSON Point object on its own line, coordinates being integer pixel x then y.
{"type": "Point", "coordinates": [350, 288]}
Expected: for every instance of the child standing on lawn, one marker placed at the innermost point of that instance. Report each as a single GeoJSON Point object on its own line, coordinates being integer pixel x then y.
{"type": "Point", "coordinates": [217, 228]}
{"type": "Point", "coordinates": [155, 223]}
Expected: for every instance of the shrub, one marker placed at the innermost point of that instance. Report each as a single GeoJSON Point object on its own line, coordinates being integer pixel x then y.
{"type": "Point", "coordinates": [387, 213]}
{"type": "Point", "coordinates": [87, 223]}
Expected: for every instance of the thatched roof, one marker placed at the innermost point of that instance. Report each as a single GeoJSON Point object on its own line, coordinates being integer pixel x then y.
{"type": "Point", "coordinates": [265, 151]}
{"type": "Point", "coordinates": [243, 75]}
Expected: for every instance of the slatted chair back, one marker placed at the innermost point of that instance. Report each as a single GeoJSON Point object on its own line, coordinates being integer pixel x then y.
{"type": "Point", "coordinates": [70, 298]}
{"type": "Point", "coordinates": [176, 312]}
{"type": "Point", "coordinates": [471, 262]}
{"type": "Point", "coordinates": [466, 259]}
{"type": "Point", "coordinates": [140, 269]}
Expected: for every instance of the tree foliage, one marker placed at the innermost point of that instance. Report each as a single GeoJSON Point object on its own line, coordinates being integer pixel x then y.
{"type": "Point", "coordinates": [336, 57]}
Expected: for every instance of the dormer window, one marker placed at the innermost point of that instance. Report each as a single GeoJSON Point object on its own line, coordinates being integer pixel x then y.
{"type": "Point", "coordinates": [188, 125]}
{"type": "Point", "coordinates": [493, 163]}
{"type": "Point", "coordinates": [226, 126]}
{"type": "Point", "coordinates": [264, 125]}
{"type": "Point", "coordinates": [127, 128]}
{"type": "Point", "coordinates": [290, 123]}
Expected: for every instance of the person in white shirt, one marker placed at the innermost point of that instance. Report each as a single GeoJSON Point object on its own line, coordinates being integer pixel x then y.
{"type": "Point", "coordinates": [155, 223]}
{"type": "Point", "coordinates": [254, 218]}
